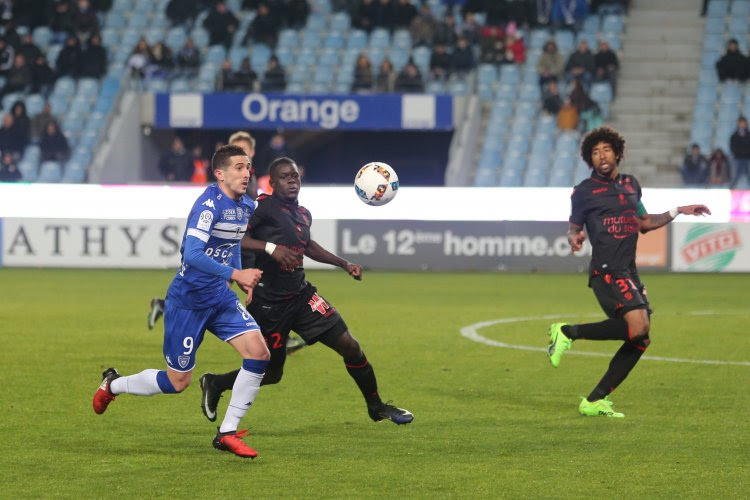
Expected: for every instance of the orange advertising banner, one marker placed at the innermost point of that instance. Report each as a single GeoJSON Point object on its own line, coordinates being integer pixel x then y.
{"type": "Point", "coordinates": [652, 249]}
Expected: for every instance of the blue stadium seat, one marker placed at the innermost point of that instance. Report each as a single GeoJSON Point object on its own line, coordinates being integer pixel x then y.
{"type": "Point", "coordinates": [49, 171]}
{"type": "Point", "coordinates": [399, 58]}
{"type": "Point", "coordinates": [740, 8]}
{"type": "Point", "coordinates": [288, 38]}
{"type": "Point", "coordinates": [116, 19]}
{"type": "Point", "coordinates": [285, 56]}
{"type": "Point", "coordinates": [82, 154]}
{"type": "Point", "coordinates": [565, 41]}
{"type": "Point", "coordinates": [402, 39]}
{"type": "Point", "coordinates": [531, 92]}
{"type": "Point", "coordinates": [535, 177]}
{"type": "Point", "coordinates": [510, 74]}
{"type": "Point", "coordinates": [560, 178]}
{"type": "Point", "coordinates": [612, 23]}
{"type": "Point", "coordinates": [601, 92]}
{"type": "Point", "coordinates": [200, 37]}
{"type": "Point", "coordinates": [180, 85]}
{"type": "Point", "coordinates": [538, 38]}
{"type": "Point", "coordinates": [340, 21]}
{"type": "Point", "coordinates": [137, 20]}
{"type": "Point", "coordinates": [329, 58]}
{"type": "Point", "coordinates": [154, 35]}
{"type": "Point", "coordinates": [486, 73]}
{"type": "Point", "coordinates": [485, 91]}
{"type": "Point", "coordinates": [717, 7]}
{"type": "Point", "coordinates": [52, 52]}
{"type": "Point", "coordinates": [216, 54]}
{"type": "Point", "coordinates": [458, 88]}
{"type": "Point", "coordinates": [175, 38]}
{"type": "Point", "coordinates": [89, 138]}
{"type": "Point", "coordinates": [738, 27]}
{"type": "Point", "coordinates": [485, 177]}
{"type": "Point", "coordinates": [357, 39]}
{"type": "Point", "coordinates": [42, 36]}
{"type": "Point", "coordinates": [613, 39]}
{"type": "Point", "coordinates": [316, 22]}
{"type": "Point", "coordinates": [29, 170]}
{"type": "Point", "coordinates": [59, 104]}
{"type": "Point", "coordinates": [32, 153]}
{"type": "Point", "coordinates": [74, 172]}
{"type": "Point", "coordinates": [319, 88]}
{"type": "Point", "coordinates": [510, 177]}
{"type": "Point", "coordinates": [591, 24]}
{"type": "Point", "coordinates": [518, 144]}
{"type": "Point", "coordinates": [334, 40]}
{"type": "Point", "coordinates": [380, 38]}
{"type": "Point", "coordinates": [34, 104]}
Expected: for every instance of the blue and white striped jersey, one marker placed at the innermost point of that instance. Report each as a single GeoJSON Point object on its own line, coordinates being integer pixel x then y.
{"type": "Point", "coordinates": [219, 223]}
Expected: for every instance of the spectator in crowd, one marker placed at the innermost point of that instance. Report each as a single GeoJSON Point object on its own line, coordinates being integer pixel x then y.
{"type": "Point", "coordinates": [221, 24]}
{"type": "Point", "coordinates": [363, 77]}
{"type": "Point", "coordinates": [462, 58]}
{"type": "Point", "coordinates": [140, 58]}
{"type": "Point", "coordinates": [733, 65]}
{"type": "Point", "coordinates": [19, 78]}
{"type": "Point", "coordinates": [29, 50]}
{"type": "Point", "coordinates": [694, 168]}
{"type": "Point", "coordinates": [200, 166]}
{"type": "Point", "coordinates": [491, 45]}
{"type": "Point", "coordinates": [94, 58]}
{"type": "Point", "coordinates": [739, 144]}
{"type": "Point", "coordinates": [274, 78]}
{"type": "Point", "coordinates": [69, 59]}
{"type": "Point", "coordinates": [7, 56]}
{"type": "Point", "coordinates": [567, 117]}
{"type": "Point", "coordinates": [580, 65]}
{"type": "Point", "coordinates": [9, 171]}
{"type": "Point", "coordinates": [364, 16]}
{"type": "Point", "coordinates": [54, 145]}
{"type": "Point", "coordinates": [225, 76]}
{"type": "Point", "coordinates": [718, 168]}
{"type": "Point", "coordinates": [42, 76]}
{"type": "Point", "coordinates": [606, 65]}
{"type": "Point", "coordinates": [550, 65]}
{"type": "Point", "coordinates": [552, 102]}
{"type": "Point", "coordinates": [85, 20]}
{"type": "Point", "coordinates": [62, 20]}
{"type": "Point", "coordinates": [384, 15]}
{"type": "Point", "coordinates": [515, 48]}
{"type": "Point", "coordinates": [422, 27]}
{"type": "Point", "coordinates": [176, 165]}
{"type": "Point", "coordinates": [403, 14]}
{"type": "Point", "coordinates": [189, 57]}
{"type": "Point", "coordinates": [440, 62]}
{"type": "Point", "coordinates": [386, 78]}
{"type": "Point", "coordinates": [277, 147]}
{"type": "Point", "coordinates": [40, 121]}
{"type": "Point", "coordinates": [445, 31]}
{"type": "Point", "coordinates": [470, 29]}
{"type": "Point", "coordinates": [183, 12]}
{"type": "Point", "coordinates": [162, 60]}
{"type": "Point", "coordinates": [244, 78]}
{"type": "Point", "coordinates": [569, 13]}
{"type": "Point", "coordinates": [21, 124]}
{"type": "Point", "coordinates": [263, 28]}
{"type": "Point", "coordinates": [295, 13]}
{"type": "Point", "coordinates": [409, 79]}
{"type": "Point", "coordinates": [9, 142]}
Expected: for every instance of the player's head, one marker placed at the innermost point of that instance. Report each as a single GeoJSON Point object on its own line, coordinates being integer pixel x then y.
{"type": "Point", "coordinates": [602, 149]}
{"type": "Point", "coordinates": [245, 141]}
{"type": "Point", "coordinates": [232, 169]}
{"type": "Point", "coordinates": [284, 178]}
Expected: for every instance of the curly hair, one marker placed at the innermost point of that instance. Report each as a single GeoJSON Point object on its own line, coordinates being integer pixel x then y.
{"type": "Point", "coordinates": [602, 134]}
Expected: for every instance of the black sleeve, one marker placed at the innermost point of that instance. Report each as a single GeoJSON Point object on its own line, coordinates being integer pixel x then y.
{"type": "Point", "coordinates": [578, 207]}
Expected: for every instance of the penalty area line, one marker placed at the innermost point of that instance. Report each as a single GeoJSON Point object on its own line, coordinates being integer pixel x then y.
{"type": "Point", "coordinates": [471, 332]}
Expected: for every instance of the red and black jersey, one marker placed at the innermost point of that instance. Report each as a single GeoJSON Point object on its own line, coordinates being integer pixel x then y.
{"type": "Point", "coordinates": [282, 223]}
{"type": "Point", "coordinates": [609, 209]}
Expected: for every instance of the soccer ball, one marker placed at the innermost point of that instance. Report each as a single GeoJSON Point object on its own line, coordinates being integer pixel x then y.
{"type": "Point", "coordinates": [376, 183]}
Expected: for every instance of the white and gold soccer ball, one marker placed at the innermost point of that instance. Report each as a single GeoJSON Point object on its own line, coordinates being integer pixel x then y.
{"type": "Point", "coordinates": [376, 183]}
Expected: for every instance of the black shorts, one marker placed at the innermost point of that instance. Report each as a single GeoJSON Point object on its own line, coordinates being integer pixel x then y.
{"type": "Point", "coordinates": [619, 292]}
{"type": "Point", "coordinates": [310, 316]}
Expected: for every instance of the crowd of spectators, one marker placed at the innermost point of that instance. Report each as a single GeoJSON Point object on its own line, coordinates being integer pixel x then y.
{"type": "Point", "coordinates": [719, 169]}
{"type": "Point", "coordinates": [733, 65]}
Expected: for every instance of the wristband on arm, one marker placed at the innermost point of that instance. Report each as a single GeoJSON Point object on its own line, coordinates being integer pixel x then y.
{"type": "Point", "coordinates": [270, 247]}
{"type": "Point", "coordinates": [674, 212]}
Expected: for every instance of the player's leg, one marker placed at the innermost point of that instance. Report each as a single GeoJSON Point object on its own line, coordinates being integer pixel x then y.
{"type": "Point", "coordinates": [233, 324]}
{"type": "Point", "coordinates": [155, 311]}
{"type": "Point", "coordinates": [363, 374]}
{"type": "Point", "coordinates": [183, 334]}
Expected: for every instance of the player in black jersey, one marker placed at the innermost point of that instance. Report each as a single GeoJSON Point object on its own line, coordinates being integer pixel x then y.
{"type": "Point", "coordinates": [609, 205]}
{"type": "Point", "coordinates": [284, 300]}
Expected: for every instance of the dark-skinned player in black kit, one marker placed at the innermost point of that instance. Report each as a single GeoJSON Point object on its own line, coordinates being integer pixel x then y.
{"type": "Point", "coordinates": [283, 300]}
{"type": "Point", "coordinates": [608, 204]}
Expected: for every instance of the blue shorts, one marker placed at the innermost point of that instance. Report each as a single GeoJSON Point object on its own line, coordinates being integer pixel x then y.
{"type": "Point", "coordinates": [184, 328]}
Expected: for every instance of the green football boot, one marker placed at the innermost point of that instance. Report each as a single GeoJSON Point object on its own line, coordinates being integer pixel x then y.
{"type": "Point", "coordinates": [558, 343]}
{"type": "Point", "coordinates": [598, 408]}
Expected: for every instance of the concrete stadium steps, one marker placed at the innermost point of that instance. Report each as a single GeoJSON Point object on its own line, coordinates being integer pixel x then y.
{"type": "Point", "coordinates": [660, 64]}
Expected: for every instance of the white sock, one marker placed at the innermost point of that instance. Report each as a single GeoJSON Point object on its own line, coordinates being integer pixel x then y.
{"type": "Point", "coordinates": [140, 384]}
{"type": "Point", "coordinates": [246, 387]}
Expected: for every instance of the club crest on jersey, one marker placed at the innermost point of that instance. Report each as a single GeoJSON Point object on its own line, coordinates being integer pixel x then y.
{"type": "Point", "coordinates": [183, 361]}
{"type": "Point", "coordinates": [318, 303]}
{"type": "Point", "coordinates": [245, 315]}
{"type": "Point", "coordinates": [239, 213]}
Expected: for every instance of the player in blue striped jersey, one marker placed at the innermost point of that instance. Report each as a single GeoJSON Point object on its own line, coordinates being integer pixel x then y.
{"type": "Point", "coordinates": [199, 299]}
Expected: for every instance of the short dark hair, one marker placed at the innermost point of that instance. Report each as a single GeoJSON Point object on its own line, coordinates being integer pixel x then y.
{"type": "Point", "coordinates": [222, 155]}
{"type": "Point", "coordinates": [602, 134]}
{"type": "Point", "coordinates": [277, 163]}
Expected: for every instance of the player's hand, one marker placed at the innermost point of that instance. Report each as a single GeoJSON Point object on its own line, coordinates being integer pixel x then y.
{"type": "Point", "coordinates": [249, 298]}
{"type": "Point", "coordinates": [287, 259]}
{"type": "Point", "coordinates": [576, 239]}
{"type": "Point", "coordinates": [246, 278]}
{"type": "Point", "coordinates": [694, 210]}
{"type": "Point", "coordinates": [354, 270]}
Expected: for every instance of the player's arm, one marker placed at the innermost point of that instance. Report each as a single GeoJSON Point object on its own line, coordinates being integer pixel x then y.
{"type": "Point", "coordinates": [320, 254]}
{"type": "Point", "coordinates": [649, 222]}
{"type": "Point", "coordinates": [196, 257]}
{"type": "Point", "coordinates": [576, 236]}
{"type": "Point", "coordinates": [285, 257]}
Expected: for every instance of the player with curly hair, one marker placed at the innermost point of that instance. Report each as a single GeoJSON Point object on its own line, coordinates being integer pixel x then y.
{"type": "Point", "coordinates": [608, 204]}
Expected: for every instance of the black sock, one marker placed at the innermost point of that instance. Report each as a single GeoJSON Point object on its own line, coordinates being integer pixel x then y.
{"type": "Point", "coordinates": [363, 374]}
{"type": "Point", "coordinates": [609, 329]}
{"type": "Point", "coordinates": [225, 381]}
{"type": "Point", "coordinates": [622, 362]}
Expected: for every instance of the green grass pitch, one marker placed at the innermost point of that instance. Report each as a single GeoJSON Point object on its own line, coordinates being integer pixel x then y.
{"type": "Point", "coordinates": [489, 421]}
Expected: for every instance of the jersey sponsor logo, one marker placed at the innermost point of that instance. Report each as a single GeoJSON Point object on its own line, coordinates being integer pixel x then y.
{"type": "Point", "coordinates": [205, 219]}
{"type": "Point", "coordinates": [318, 303]}
{"type": "Point", "coordinates": [621, 226]}
{"type": "Point", "coordinates": [209, 203]}
{"type": "Point", "coordinates": [710, 247]}
{"type": "Point", "coordinates": [223, 252]}
{"type": "Point", "coordinates": [600, 190]}
{"type": "Point", "coordinates": [245, 315]}
{"type": "Point", "coordinates": [183, 361]}
{"type": "Point", "coordinates": [228, 214]}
